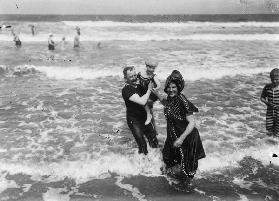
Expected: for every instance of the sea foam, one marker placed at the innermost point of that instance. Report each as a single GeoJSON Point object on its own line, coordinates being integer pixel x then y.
{"type": "Point", "coordinates": [190, 73]}
{"type": "Point", "coordinates": [141, 37]}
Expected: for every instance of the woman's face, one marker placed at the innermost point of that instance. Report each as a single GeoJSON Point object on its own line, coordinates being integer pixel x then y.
{"type": "Point", "coordinates": [172, 90]}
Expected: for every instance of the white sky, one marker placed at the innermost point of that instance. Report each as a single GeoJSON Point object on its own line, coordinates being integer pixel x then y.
{"type": "Point", "coordinates": [138, 6]}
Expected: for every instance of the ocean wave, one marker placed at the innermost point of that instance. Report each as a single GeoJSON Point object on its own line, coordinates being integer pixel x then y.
{"type": "Point", "coordinates": [132, 164]}
{"type": "Point", "coordinates": [17, 71]}
{"type": "Point", "coordinates": [94, 72]}
{"type": "Point", "coordinates": [127, 36]}
{"type": "Point", "coordinates": [217, 161]}
{"type": "Point", "coordinates": [82, 171]}
{"type": "Point", "coordinates": [190, 73]}
{"type": "Point", "coordinates": [73, 73]}
{"type": "Point", "coordinates": [169, 24]}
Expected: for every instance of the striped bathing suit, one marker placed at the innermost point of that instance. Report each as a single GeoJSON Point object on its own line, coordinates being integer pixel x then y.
{"type": "Point", "coordinates": [272, 115]}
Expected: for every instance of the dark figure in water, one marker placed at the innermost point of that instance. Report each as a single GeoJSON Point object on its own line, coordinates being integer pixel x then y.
{"type": "Point", "coordinates": [76, 39]}
{"type": "Point", "coordinates": [270, 97]}
{"type": "Point", "coordinates": [183, 146]}
{"type": "Point", "coordinates": [32, 29]}
{"type": "Point", "coordinates": [16, 39]}
{"type": "Point", "coordinates": [135, 99]}
{"type": "Point", "coordinates": [51, 43]}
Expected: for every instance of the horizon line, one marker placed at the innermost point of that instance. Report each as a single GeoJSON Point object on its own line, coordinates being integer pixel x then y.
{"type": "Point", "coordinates": [149, 14]}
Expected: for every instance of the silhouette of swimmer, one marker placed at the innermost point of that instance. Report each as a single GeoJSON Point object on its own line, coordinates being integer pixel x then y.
{"type": "Point", "coordinates": [99, 45]}
{"type": "Point", "coordinates": [63, 42]}
{"type": "Point", "coordinates": [16, 39]}
{"type": "Point", "coordinates": [32, 29]}
{"type": "Point", "coordinates": [51, 43]}
{"type": "Point", "coordinates": [76, 39]}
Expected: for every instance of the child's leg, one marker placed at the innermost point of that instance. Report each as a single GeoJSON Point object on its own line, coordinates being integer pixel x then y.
{"type": "Point", "coordinates": [148, 114]}
{"type": "Point", "coordinates": [153, 121]}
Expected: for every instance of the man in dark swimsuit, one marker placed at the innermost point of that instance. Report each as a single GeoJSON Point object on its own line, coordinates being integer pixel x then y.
{"type": "Point", "coordinates": [135, 113]}
{"type": "Point", "coordinates": [51, 43]}
{"type": "Point", "coordinates": [76, 39]}
{"type": "Point", "coordinates": [16, 39]}
{"type": "Point", "coordinates": [32, 29]}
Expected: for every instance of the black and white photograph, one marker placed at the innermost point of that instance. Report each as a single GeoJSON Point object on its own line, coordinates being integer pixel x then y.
{"type": "Point", "coordinates": [139, 100]}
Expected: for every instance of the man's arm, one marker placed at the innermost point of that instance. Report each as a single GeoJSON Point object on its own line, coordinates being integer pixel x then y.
{"type": "Point", "coordinates": [143, 99]}
{"type": "Point", "coordinates": [157, 82]}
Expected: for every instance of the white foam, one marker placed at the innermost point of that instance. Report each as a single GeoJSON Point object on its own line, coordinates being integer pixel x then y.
{"type": "Point", "coordinates": [152, 36]}
{"type": "Point", "coordinates": [242, 183]}
{"type": "Point", "coordinates": [216, 161]}
{"type": "Point", "coordinates": [72, 73]}
{"type": "Point", "coordinates": [189, 72]}
{"type": "Point", "coordinates": [26, 187]}
{"type": "Point", "coordinates": [169, 24]}
{"type": "Point", "coordinates": [102, 164]}
{"type": "Point", "coordinates": [243, 198]}
{"type": "Point", "coordinates": [54, 194]}
{"type": "Point", "coordinates": [135, 192]}
{"type": "Point", "coordinates": [3, 150]}
{"type": "Point", "coordinates": [199, 191]}
{"type": "Point", "coordinates": [4, 183]}
{"type": "Point", "coordinates": [83, 171]}
{"type": "Point", "coordinates": [196, 73]}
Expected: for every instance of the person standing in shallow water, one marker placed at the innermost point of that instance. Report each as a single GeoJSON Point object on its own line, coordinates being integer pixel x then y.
{"type": "Point", "coordinates": [51, 43]}
{"type": "Point", "coordinates": [32, 27]}
{"type": "Point", "coordinates": [183, 147]}
{"type": "Point", "coordinates": [16, 39]}
{"type": "Point", "coordinates": [135, 113]}
{"type": "Point", "coordinates": [270, 96]}
{"type": "Point", "coordinates": [76, 39]}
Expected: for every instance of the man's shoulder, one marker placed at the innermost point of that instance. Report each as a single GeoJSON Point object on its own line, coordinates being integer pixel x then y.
{"type": "Point", "coordinates": [128, 91]}
{"type": "Point", "coordinates": [125, 87]}
{"type": "Point", "coordinates": [130, 88]}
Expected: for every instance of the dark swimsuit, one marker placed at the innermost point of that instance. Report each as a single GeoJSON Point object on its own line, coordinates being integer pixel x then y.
{"type": "Point", "coordinates": [144, 81]}
{"type": "Point", "coordinates": [17, 42]}
{"type": "Point", "coordinates": [51, 46]}
{"type": "Point", "coordinates": [272, 115]}
{"type": "Point", "coordinates": [176, 109]}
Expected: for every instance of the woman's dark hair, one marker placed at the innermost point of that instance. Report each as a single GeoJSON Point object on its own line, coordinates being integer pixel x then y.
{"type": "Point", "coordinates": [176, 78]}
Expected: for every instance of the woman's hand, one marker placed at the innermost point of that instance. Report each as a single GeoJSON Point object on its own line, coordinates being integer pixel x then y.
{"type": "Point", "coordinates": [178, 142]}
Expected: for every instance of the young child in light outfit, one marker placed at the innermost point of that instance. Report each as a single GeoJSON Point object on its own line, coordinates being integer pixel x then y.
{"type": "Point", "coordinates": [270, 96]}
{"type": "Point", "coordinates": [144, 78]}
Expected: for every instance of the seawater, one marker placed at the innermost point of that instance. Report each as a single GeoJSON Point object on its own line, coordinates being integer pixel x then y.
{"type": "Point", "coordinates": [62, 118]}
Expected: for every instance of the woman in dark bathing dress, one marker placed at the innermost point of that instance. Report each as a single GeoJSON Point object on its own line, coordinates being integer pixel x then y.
{"type": "Point", "coordinates": [183, 147]}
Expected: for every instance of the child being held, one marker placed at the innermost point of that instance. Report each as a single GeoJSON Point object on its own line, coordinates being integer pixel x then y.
{"type": "Point", "coordinates": [144, 78]}
{"type": "Point", "coordinates": [270, 96]}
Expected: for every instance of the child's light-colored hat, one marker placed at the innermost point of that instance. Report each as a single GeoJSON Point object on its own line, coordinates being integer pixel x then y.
{"type": "Point", "coordinates": [150, 62]}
